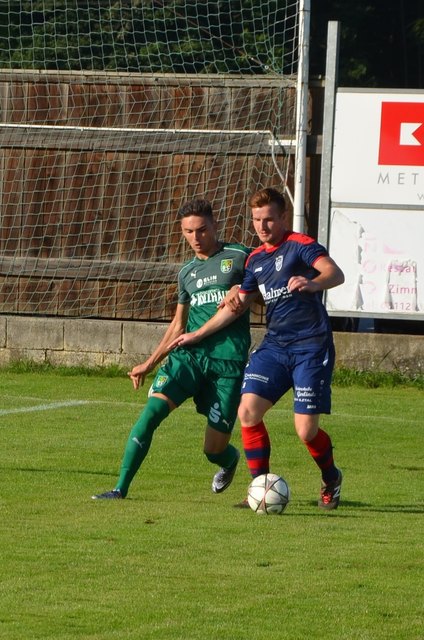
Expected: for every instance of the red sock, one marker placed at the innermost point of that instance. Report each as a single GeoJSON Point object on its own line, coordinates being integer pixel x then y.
{"type": "Point", "coordinates": [321, 449]}
{"type": "Point", "coordinates": [257, 448]}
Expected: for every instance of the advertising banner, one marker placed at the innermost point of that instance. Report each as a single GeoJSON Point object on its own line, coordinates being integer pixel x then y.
{"type": "Point", "coordinates": [376, 226]}
{"type": "Point", "coordinates": [378, 152]}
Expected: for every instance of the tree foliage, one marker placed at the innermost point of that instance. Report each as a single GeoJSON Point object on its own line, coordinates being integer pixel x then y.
{"type": "Point", "coordinates": [382, 42]}
{"type": "Point", "coordinates": [180, 36]}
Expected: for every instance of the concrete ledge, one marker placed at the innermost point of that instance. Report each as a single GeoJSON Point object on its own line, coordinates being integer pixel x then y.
{"type": "Point", "coordinates": [92, 336]}
{"type": "Point", "coordinates": [380, 352]}
{"type": "Point", "coordinates": [141, 337]}
{"type": "Point", "coordinates": [97, 343]}
{"type": "Point", "coordinates": [25, 332]}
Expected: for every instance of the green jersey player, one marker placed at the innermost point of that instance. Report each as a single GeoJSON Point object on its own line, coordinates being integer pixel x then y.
{"type": "Point", "coordinates": [210, 372]}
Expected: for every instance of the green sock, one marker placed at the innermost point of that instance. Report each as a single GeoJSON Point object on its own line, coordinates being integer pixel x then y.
{"type": "Point", "coordinates": [224, 459]}
{"type": "Point", "coordinates": [139, 441]}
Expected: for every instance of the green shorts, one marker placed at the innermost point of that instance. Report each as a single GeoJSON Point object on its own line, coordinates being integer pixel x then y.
{"type": "Point", "coordinates": [214, 385]}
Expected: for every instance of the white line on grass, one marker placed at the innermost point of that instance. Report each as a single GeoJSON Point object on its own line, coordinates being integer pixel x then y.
{"type": "Point", "coordinates": [184, 408]}
{"type": "Point", "coordinates": [44, 407]}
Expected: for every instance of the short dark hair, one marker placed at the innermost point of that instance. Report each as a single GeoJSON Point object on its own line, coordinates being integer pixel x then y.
{"type": "Point", "coordinates": [196, 207]}
{"type": "Point", "coordinates": [266, 196]}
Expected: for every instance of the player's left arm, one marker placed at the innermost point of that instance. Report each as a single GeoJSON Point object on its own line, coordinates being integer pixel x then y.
{"type": "Point", "coordinates": [329, 275]}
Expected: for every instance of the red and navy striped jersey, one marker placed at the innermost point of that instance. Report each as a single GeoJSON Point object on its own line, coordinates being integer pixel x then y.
{"type": "Point", "coordinates": [290, 316]}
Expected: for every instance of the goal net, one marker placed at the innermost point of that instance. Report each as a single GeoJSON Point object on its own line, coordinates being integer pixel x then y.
{"type": "Point", "coordinates": [112, 115]}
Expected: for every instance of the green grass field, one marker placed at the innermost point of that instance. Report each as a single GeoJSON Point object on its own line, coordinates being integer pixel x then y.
{"type": "Point", "coordinates": [174, 561]}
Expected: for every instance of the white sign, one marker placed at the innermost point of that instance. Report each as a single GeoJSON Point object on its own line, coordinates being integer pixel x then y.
{"type": "Point", "coordinates": [376, 228]}
{"type": "Point", "coordinates": [381, 254]}
{"type": "Point", "coordinates": [378, 152]}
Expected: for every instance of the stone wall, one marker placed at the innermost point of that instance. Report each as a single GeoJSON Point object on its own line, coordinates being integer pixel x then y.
{"type": "Point", "coordinates": [96, 343]}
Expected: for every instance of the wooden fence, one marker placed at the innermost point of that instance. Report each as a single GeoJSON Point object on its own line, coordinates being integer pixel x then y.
{"type": "Point", "coordinates": [92, 167]}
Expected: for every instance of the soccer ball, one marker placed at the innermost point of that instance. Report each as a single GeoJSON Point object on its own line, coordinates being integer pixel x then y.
{"type": "Point", "coordinates": [268, 494]}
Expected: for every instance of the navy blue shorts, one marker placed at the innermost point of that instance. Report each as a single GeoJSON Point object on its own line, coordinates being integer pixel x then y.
{"type": "Point", "coordinates": [273, 370]}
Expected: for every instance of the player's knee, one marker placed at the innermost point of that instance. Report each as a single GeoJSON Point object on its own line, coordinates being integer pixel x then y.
{"type": "Point", "coordinates": [306, 426]}
{"type": "Point", "coordinates": [246, 416]}
{"type": "Point", "coordinates": [252, 409]}
{"type": "Point", "coordinates": [155, 411]}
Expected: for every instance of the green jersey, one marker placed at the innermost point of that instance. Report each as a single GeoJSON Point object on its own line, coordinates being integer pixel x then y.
{"type": "Point", "coordinates": [204, 284]}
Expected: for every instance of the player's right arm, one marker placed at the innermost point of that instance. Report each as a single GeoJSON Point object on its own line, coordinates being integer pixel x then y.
{"type": "Point", "coordinates": [175, 329]}
{"type": "Point", "coordinates": [223, 317]}
{"type": "Point", "coordinates": [233, 301]}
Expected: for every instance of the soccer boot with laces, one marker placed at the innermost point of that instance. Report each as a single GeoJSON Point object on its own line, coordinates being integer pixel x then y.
{"type": "Point", "coordinates": [224, 477]}
{"type": "Point", "coordinates": [115, 494]}
{"type": "Point", "coordinates": [330, 494]}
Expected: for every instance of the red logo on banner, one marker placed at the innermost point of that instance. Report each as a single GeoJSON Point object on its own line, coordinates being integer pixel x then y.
{"type": "Point", "coordinates": [402, 133]}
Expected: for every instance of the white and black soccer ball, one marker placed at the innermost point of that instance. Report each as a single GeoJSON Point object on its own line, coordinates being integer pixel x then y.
{"type": "Point", "coordinates": [268, 494]}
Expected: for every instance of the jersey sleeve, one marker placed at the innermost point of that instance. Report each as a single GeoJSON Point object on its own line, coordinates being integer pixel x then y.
{"type": "Point", "coordinates": [312, 251]}
{"type": "Point", "coordinates": [249, 283]}
{"type": "Point", "coordinates": [308, 249]}
{"type": "Point", "coordinates": [183, 295]}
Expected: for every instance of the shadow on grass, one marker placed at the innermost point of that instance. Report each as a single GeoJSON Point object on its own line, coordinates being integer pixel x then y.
{"type": "Point", "coordinates": [59, 471]}
{"type": "Point", "coordinates": [396, 508]}
{"type": "Point", "coordinates": [344, 510]}
{"type": "Point", "coordinates": [364, 506]}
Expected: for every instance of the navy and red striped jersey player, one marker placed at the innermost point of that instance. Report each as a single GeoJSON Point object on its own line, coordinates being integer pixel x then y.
{"type": "Point", "coordinates": [290, 271]}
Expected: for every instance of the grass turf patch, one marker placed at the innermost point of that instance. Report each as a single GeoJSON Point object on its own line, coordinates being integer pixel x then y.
{"type": "Point", "coordinates": [343, 377]}
{"type": "Point", "coordinates": [174, 560]}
